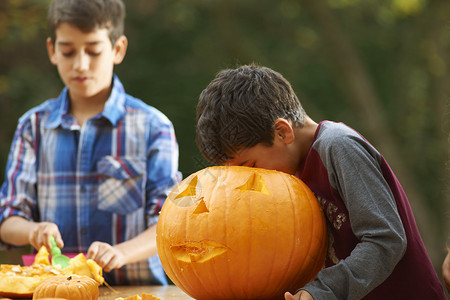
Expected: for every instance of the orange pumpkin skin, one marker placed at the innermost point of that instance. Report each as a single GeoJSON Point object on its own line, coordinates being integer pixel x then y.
{"type": "Point", "coordinates": [70, 288]}
{"type": "Point", "coordinates": [241, 233]}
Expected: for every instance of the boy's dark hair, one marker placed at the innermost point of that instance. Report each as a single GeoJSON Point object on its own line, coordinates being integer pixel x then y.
{"type": "Point", "coordinates": [237, 110]}
{"type": "Point", "coordinates": [87, 15]}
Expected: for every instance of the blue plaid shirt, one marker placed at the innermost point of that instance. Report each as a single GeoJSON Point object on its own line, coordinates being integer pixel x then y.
{"type": "Point", "coordinates": [105, 181]}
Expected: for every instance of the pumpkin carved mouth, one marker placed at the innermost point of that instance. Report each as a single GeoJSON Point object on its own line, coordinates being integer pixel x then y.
{"type": "Point", "coordinates": [198, 252]}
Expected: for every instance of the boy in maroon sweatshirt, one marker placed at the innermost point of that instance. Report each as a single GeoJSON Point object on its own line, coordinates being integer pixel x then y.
{"type": "Point", "coordinates": [250, 116]}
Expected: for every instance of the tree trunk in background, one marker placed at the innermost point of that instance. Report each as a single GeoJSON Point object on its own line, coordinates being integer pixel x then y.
{"type": "Point", "coordinates": [357, 85]}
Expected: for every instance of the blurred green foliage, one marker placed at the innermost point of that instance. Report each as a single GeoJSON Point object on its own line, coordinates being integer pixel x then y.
{"type": "Point", "coordinates": [176, 47]}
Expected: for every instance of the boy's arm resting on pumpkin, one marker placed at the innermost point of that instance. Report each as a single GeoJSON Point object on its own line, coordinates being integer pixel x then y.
{"type": "Point", "coordinates": [354, 169]}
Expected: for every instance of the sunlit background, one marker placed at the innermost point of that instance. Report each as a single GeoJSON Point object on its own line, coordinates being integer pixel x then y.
{"type": "Point", "coordinates": [380, 66]}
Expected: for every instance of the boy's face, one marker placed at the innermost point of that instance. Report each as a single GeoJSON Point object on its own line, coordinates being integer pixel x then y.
{"type": "Point", "coordinates": [276, 157]}
{"type": "Point", "coordinates": [290, 146]}
{"type": "Point", "coordinates": [85, 61]}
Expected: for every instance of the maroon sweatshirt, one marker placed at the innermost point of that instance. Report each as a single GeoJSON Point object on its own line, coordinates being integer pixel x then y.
{"type": "Point", "coordinates": [375, 249]}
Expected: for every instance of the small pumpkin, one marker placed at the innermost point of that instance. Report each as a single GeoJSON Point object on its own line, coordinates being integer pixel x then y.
{"type": "Point", "coordinates": [71, 288]}
{"type": "Point", "coordinates": [241, 233]}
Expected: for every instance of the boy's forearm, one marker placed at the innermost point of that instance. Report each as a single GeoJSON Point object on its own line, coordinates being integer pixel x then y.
{"type": "Point", "coordinates": [15, 231]}
{"type": "Point", "coordinates": [140, 247]}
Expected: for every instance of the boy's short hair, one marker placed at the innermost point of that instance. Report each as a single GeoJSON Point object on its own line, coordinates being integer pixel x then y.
{"type": "Point", "coordinates": [237, 110]}
{"type": "Point", "coordinates": [87, 15]}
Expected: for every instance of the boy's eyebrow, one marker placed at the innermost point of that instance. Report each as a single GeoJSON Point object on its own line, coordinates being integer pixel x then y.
{"type": "Point", "coordinates": [62, 43]}
{"type": "Point", "coordinates": [227, 163]}
{"type": "Point", "coordinates": [243, 163]}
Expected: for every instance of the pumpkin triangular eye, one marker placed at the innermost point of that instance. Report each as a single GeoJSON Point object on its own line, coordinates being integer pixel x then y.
{"type": "Point", "coordinates": [255, 183]}
{"type": "Point", "coordinates": [201, 208]}
{"type": "Point", "coordinates": [188, 196]}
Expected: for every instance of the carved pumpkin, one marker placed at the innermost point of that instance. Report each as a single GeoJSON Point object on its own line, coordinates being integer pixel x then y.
{"type": "Point", "coordinates": [70, 288]}
{"type": "Point", "coordinates": [241, 233]}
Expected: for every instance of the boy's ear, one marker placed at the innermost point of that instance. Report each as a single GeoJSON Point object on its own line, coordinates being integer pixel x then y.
{"type": "Point", "coordinates": [120, 49]}
{"type": "Point", "coordinates": [284, 131]}
{"type": "Point", "coordinates": [51, 51]}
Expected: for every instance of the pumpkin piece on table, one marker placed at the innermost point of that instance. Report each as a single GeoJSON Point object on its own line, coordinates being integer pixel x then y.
{"type": "Point", "coordinates": [13, 287]}
{"type": "Point", "coordinates": [145, 296]}
{"type": "Point", "coordinates": [42, 257]}
{"type": "Point", "coordinates": [241, 233]}
{"type": "Point", "coordinates": [134, 297]}
{"type": "Point", "coordinates": [81, 266]}
{"type": "Point", "coordinates": [71, 288]}
{"type": "Point", "coordinates": [18, 281]}
{"type": "Point", "coordinates": [78, 265]}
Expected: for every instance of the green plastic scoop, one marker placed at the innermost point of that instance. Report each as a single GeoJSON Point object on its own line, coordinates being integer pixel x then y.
{"type": "Point", "coordinates": [57, 257]}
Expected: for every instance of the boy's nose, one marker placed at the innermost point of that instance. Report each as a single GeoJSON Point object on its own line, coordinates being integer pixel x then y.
{"type": "Point", "coordinates": [81, 62]}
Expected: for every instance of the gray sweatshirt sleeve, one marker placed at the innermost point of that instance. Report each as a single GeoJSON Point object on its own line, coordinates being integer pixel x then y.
{"type": "Point", "coordinates": [354, 171]}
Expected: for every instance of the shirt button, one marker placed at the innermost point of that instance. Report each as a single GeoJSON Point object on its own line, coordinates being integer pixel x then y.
{"type": "Point", "coordinates": [83, 230]}
{"type": "Point", "coordinates": [83, 189]}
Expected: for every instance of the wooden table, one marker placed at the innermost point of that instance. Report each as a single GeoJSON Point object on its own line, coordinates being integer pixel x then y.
{"type": "Point", "coordinates": [163, 292]}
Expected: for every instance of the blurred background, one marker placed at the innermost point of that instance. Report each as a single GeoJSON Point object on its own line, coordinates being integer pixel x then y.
{"type": "Point", "coordinates": [380, 66]}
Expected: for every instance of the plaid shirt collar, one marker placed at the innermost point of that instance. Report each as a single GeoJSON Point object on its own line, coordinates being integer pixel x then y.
{"type": "Point", "coordinates": [113, 111]}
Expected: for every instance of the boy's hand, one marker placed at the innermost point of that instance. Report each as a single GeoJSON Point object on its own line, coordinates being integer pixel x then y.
{"type": "Point", "coordinates": [106, 256]}
{"type": "Point", "coordinates": [301, 295]}
{"type": "Point", "coordinates": [40, 234]}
